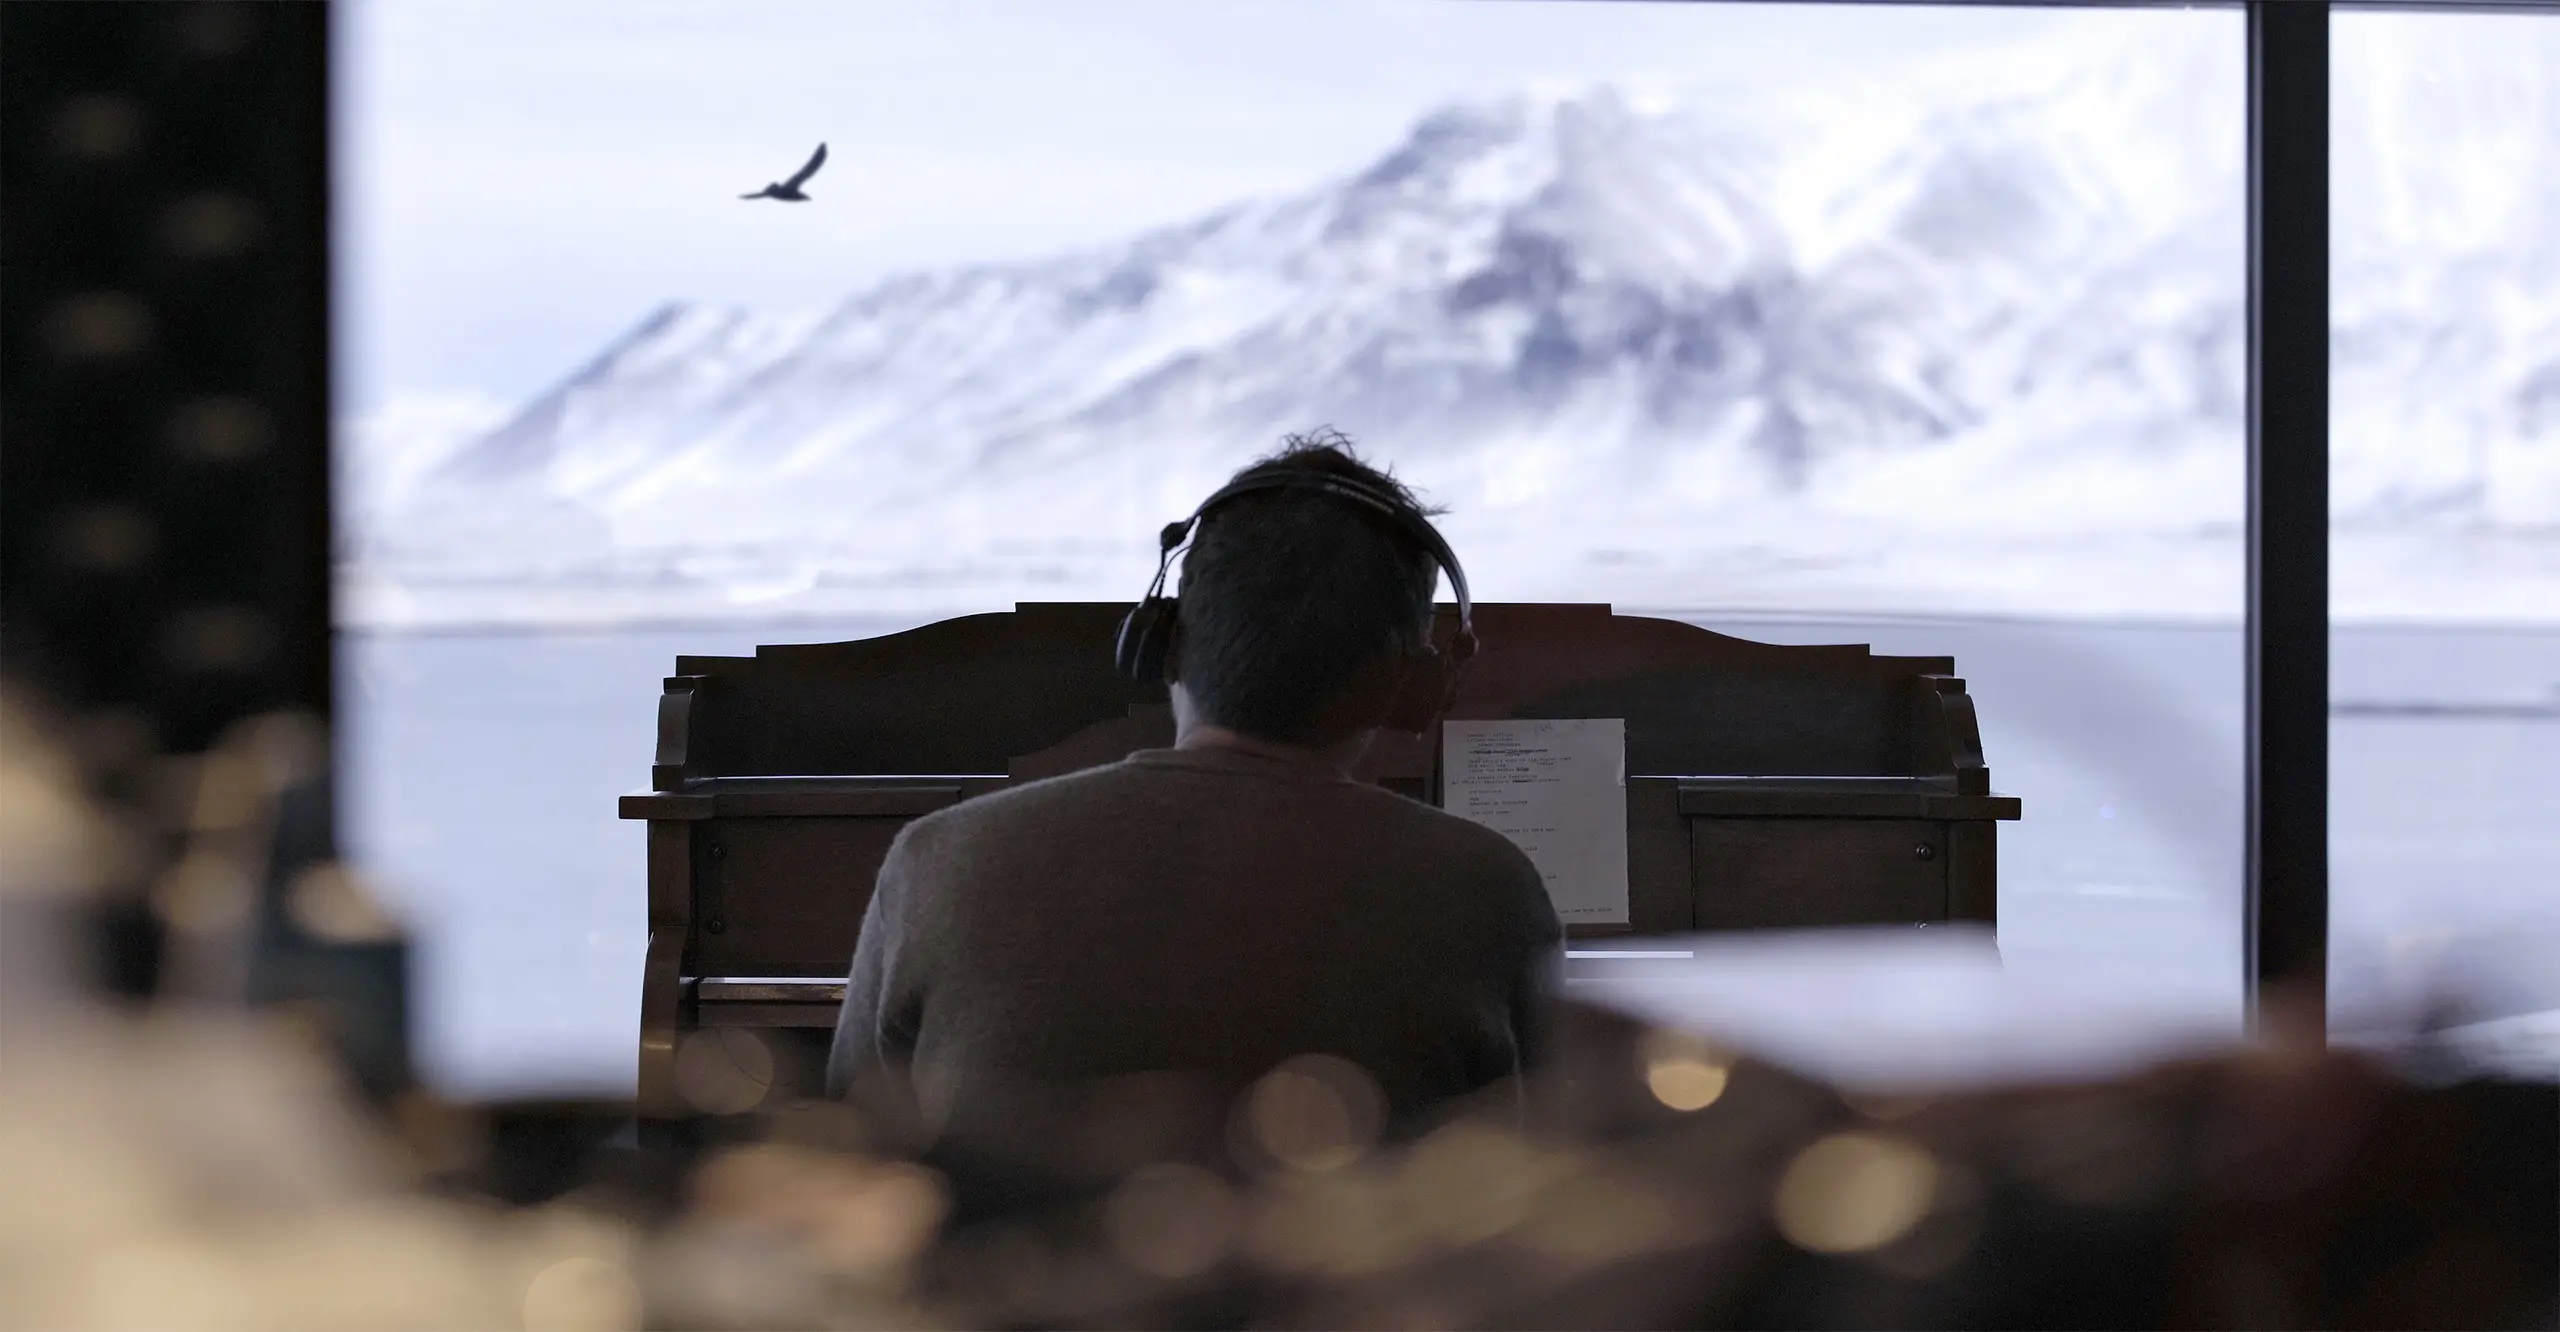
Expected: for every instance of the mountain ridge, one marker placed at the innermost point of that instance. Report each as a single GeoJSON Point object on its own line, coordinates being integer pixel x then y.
{"type": "Point", "coordinates": [1570, 314]}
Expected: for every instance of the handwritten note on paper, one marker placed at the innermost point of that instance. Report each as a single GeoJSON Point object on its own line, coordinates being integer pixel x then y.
{"type": "Point", "coordinates": [1559, 790]}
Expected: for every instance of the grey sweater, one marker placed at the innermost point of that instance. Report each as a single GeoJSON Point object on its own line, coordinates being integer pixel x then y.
{"type": "Point", "coordinates": [1202, 913]}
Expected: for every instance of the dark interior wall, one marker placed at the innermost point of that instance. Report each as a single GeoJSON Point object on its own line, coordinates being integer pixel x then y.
{"type": "Point", "coordinates": [164, 317]}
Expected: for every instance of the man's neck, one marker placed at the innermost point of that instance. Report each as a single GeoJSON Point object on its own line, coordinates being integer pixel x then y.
{"type": "Point", "coordinates": [1191, 731]}
{"type": "Point", "coordinates": [1340, 756]}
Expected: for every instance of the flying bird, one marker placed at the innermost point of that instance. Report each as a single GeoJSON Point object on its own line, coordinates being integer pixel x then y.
{"type": "Point", "coordinates": [789, 190]}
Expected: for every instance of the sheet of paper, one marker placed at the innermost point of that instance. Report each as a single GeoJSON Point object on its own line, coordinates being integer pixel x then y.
{"type": "Point", "coordinates": [1559, 790]}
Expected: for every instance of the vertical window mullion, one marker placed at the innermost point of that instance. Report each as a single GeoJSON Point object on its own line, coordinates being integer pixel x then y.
{"type": "Point", "coordinates": [2287, 728]}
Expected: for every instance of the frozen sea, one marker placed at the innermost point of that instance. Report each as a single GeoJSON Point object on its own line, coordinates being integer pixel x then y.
{"type": "Point", "coordinates": [483, 768]}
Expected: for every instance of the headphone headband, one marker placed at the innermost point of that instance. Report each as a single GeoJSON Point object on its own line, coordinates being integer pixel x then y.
{"type": "Point", "coordinates": [1147, 632]}
{"type": "Point", "coordinates": [1386, 504]}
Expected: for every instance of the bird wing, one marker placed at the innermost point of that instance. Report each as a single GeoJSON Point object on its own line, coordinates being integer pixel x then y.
{"type": "Point", "coordinates": [816, 160]}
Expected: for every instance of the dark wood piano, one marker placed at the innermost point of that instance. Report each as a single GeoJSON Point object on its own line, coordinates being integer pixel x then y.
{"type": "Point", "coordinates": [1767, 787]}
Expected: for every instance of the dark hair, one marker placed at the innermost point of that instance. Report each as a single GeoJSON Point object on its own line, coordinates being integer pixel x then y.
{"type": "Point", "coordinates": [1285, 593]}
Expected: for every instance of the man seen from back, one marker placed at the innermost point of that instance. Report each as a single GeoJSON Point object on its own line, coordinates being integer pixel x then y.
{"type": "Point", "coordinates": [1155, 934]}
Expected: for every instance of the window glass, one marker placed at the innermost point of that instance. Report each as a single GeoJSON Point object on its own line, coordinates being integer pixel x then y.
{"type": "Point", "coordinates": [2445, 495]}
{"type": "Point", "coordinates": [1916, 326]}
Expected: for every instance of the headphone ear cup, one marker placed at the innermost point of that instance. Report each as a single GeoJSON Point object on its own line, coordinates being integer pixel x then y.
{"type": "Point", "coordinates": [1146, 638]}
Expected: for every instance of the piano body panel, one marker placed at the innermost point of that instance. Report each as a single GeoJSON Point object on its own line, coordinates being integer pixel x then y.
{"type": "Point", "coordinates": [1973, 886]}
{"type": "Point", "coordinates": [1695, 700]}
{"type": "Point", "coordinates": [768, 1002]}
{"type": "Point", "coordinates": [797, 1016]}
{"type": "Point", "coordinates": [1658, 863]}
{"type": "Point", "coordinates": [1769, 786]}
{"type": "Point", "coordinates": [960, 695]}
{"type": "Point", "coordinates": [763, 877]}
{"type": "Point", "coordinates": [1800, 873]}
{"type": "Point", "coordinates": [783, 895]}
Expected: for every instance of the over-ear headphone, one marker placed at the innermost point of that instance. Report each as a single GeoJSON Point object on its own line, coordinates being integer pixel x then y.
{"type": "Point", "coordinates": [1147, 632]}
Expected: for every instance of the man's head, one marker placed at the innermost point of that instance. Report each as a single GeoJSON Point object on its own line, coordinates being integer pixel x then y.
{"type": "Point", "coordinates": [1292, 599]}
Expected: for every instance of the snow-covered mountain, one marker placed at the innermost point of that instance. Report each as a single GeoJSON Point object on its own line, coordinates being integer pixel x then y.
{"type": "Point", "coordinates": [1971, 339]}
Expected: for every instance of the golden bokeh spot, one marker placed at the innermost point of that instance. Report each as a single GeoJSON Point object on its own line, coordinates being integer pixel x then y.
{"type": "Point", "coordinates": [111, 537]}
{"type": "Point", "coordinates": [219, 638]}
{"type": "Point", "coordinates": [210, 224]}
{"type": "Point", "coordinates": [1683, 1071]}
{"type": "Point", "coordinates": [1313, 1113]}
{"type": "Point", "coordinates": [101, 325]}
{"type": "Point", "coordinates": [582, 1294]}
{"type": "Point", "coordinates": [1685, 1082]}
{"type": "Point", "coordinates": [1171, 1221]}
{"type": "Point", "coordinates": [97, 128]}
{"type": "Point", "coordinates": [1853, 1192]}
{"type": "Point", "coordinates": [221, 429]}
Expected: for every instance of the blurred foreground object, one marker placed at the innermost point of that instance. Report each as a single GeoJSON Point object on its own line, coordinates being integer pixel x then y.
{"type": "Point", "coordinates": [1812, 1131]}
{"type": "Point", "coordinates": [1984, 1149]}
{"type": "Point", "coordinates": [200, 1160]}
{"type": "Point", "coordinates": [196, 1163]}
{"type": "Point", "coordinates": [2028, 1145]}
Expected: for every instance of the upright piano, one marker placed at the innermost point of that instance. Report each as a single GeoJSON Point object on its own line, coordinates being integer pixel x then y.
{"type": "Point", "coordinates": [1767, 786]}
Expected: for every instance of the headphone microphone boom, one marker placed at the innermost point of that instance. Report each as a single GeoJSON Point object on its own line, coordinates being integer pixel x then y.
{"type": "Point", "coordinates": [1146, 633]}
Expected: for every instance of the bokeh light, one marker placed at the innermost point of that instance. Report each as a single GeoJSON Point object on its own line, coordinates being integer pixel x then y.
{"type": "Point", "coordinates": [1853, 1192]}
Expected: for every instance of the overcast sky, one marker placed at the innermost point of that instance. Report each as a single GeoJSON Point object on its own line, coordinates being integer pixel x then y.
{"type": "Point", "coordinates": [521, 180]}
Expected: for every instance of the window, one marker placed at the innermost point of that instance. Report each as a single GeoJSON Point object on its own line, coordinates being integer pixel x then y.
{"type": "Point", "coordinates": [2445, 545]}
{"type": "Point", "coordinates": [1914, 326]}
